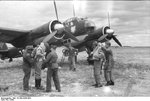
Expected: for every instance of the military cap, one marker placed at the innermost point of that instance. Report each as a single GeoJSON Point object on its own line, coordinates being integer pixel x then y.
{"type": "Point", "coordinates": [108, 43]}
{"type": "Point", "coordinates": [29, 47]}
{"type": "Point", "coordinates": [95, 42]}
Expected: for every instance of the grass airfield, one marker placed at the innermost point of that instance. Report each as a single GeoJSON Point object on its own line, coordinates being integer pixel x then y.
{"type": "Point", "coordinates": [131, 75]}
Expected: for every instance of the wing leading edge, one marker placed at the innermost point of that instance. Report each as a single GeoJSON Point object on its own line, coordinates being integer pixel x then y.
{"type": "Point", "coordinates": [7, 35]}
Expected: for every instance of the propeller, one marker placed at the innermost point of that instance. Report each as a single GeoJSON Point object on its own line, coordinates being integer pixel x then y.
{"type": "Point", "coordinates": [109, 33]}
{"type": "Point", "coordinates": [66, 32]}
{"type": "Point", "coordinates": [71, 36]}
{"type": "Point", "coordinates": [102, 37]}
{"type": "Point", "coordinates": [116, 40]}
{"type": "Point", "coordinates": [49, 36]}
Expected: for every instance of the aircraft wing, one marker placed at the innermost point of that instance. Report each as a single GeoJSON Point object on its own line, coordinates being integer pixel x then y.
{"type": "Point", "coordinates": [7, 35]}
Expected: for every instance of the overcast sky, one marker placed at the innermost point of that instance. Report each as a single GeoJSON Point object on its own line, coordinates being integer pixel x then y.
{"type": "Point", "coordinates": [129, 19]}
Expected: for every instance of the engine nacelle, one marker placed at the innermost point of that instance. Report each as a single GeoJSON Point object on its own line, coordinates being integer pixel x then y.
{"type": "Point", "coordinates": [100, 32]}
{"type": "Point", "coordinates": [105, 29]}
{"type": "Point", "coordinates": [42, 31]}
{"type": "Point", "coordinates": [52, 25]}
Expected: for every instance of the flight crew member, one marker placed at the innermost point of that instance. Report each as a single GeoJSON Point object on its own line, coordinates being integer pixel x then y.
{"type": "Point", "coordinates": [95, 43]}
{"type": "Point", "coordinates": [109, 64]}
{"type": "Point", "coordinates": [28, 62]}
{"type": "Point", "coordinates": [99, 58]}
{"type": "Point", "coordinates": [39, 56]}
{"type": "Point", "coordinates": [52, 72]}
{"type": "Point", "coordinates": [90, 57]}
{"type": "Point", "coordinates": [72, 57]}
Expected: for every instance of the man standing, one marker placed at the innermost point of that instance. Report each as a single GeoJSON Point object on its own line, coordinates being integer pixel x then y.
{"type": "Point", "coordinates": [72, 57]}
{"type": "Point", "coordinates": [27, 64]}
{"type": "Point", "coordinates": [90, 56]}
{"type": "Point", "coordinates": [109, 64]}
{"type": "Point", "coordinates": [39, 56]}
{"type": "Point", "coordinates": [38, 59]}
{"type": "Point", "coordinates": [98, 57]}
{"type": "Point", "coordinates": [52, 72]}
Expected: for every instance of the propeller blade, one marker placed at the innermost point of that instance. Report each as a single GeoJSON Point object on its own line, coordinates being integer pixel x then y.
{"type": "Point", "coordinates": [108, 20]}
{"type": "Point", "coordinates": [74, 10]}
{"type": "Point", "coordinates": [71, 36]}
{"type": "Point", "coordinates": [48, 37]}
{"type": "Point", "coordinates": [116, 40]}
{"type": "Point", "coordinates": [102, 37]}
{"type": "Point", "coordinates": [56, 10]}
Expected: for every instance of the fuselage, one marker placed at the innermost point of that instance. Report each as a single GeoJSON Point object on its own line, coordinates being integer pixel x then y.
{"type": "Point", "coordinates": [75, 26]}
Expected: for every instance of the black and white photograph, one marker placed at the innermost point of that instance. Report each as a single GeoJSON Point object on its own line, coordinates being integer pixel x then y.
{"type": "Point", "coordinates": [74, 48]}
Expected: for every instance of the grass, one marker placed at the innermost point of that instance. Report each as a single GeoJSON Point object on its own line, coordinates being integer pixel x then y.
{"type": "Point", "coordinates": [131, 78]}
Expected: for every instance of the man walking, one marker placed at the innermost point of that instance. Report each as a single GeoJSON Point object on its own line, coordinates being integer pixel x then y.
{"type": "Point", "coordinates": [27, 64]}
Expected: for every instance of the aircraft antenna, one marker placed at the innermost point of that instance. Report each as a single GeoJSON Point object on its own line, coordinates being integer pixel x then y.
{"type": "Point", "coordinates": [108, 20]}
{"type": "Point", "coordinates": [56, 10]}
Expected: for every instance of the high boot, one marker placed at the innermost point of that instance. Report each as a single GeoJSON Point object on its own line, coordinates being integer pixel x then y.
{"type": "Point", "coordinates": [112, 82]}
{"type": "Point", "coordinates": [98, 85]}
{"type": "Point", "coordinates": [39, 84]}
{"type": "Point", "coordinates": [36, 83]}
{"type": "Point", "coordinates": [108, 83]}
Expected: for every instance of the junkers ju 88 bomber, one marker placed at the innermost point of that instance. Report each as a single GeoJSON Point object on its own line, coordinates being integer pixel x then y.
{"type": "Point", "coordinates": [80, 31]}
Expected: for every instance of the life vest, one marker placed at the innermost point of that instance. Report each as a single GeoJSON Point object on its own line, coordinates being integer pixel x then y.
{"type": "Point", "coordinates": [98, 53]}
{"type": "Point", "coordinates": [40, 52]}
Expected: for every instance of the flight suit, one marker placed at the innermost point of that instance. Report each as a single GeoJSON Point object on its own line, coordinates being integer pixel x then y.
{"type": "Point", "coordinates": [38, 65]}
{"type": "Point", "coordinates": [98, 57]}
{"type": "Point", "coordinates": [52, 72]}
{"type": "Point", "coordinates": [27, 64]}
{"type": "Point", "coordinates": [109, 64]}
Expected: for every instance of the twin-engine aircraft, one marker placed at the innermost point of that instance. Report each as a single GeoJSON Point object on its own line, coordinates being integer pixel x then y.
{"type": "Point", "coordinates": [81, 31]}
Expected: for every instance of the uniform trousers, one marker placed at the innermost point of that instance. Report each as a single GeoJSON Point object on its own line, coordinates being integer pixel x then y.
{"type": "Point", "coordinates": [27, 72]}
{"type": "Point", "coordinates": [52, 73]}
{"type": "Point", "coordinates": [97, 71]}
